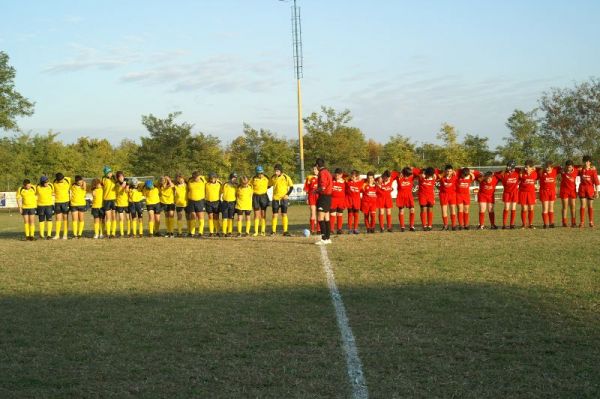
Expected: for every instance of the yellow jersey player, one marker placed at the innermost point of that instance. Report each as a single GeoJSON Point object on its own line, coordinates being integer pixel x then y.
{"type": "Point", "coordinates": [45, 206]}
{"type": "Point", "coordinates": [196, 193]}
{"type": "Point", "coordinates": [78, 205]}
{"type": "Point", "coordinates": [167, 203]}
{"type": "Point", "coordinates": [282, 188]}
{"type": "Point", "coordinates": [109, 192]}
{"type": "Point", "coordinates": [136, 210]}
{"type": "Point", "coordinates": [228, 204]}
{"type": "Point", "coordinates": [152, 205]}
{"type": "Point", "coordinates": [213, 203]}
{"type": "Point", "coordinates": [180, 202]}
{"type": "Point", "coordinates": [97, 208]}
{"type": "Point", "coordinates": [243, 205]}
{"type": "Point", "coordinates": [121, 206]}
{"type": "Point", "coordinates": [27, 202]}
{"type": "Point", "coordinates": [260, 200]}
{"type": "Point", "coordinates": [62, 187]}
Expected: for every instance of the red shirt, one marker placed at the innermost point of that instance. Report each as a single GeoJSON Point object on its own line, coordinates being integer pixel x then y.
{"type": "Point", "coordinates": [405, 184]}
{"type": "Point", "coordinates": [311, 184]}
{"type": "Point", "coordinates": [384, 189]}
{"type": "Point", "coordinates": [369, 192]}
{"type": "Point", "coordinates": [448, 184]}
{"type": "Point", "coordinates": [510, 180]}
{"type": "Point", "coordinates": [353, 188]}
{"type": "Point", "coordinates": [426, 185]}
{"type": "Point", "coordinates": [463, 185]}
{"type": "Point", "coordinates": [588, 178]}
{"type": "Point", "coordinates": [325, 182]}
{"type": "Point", "coordinates": [339, 189]}
{"type": "Point", "coordinates": [488, 187]}
{"type": "Point", "coordinates": [548, 179]}
{"type": "Point", "coordinates": [527, 181]}
{"type": "Point", "coordinates": [567, 180]}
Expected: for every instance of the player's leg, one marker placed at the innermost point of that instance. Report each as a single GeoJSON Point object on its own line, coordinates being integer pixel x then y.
{"type": "Point", "coordinates": [482, 209]}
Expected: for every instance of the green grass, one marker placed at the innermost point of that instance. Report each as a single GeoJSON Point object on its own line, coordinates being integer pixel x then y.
{"type": "Point", "coordinates": [438, 314]}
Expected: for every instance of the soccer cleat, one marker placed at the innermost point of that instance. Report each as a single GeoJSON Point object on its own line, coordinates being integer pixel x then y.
{"type": "Point", "coordinates": [454, 228]}
{"type": "Point", "coordinates": [56, 237]}
{"type": "Point", "coordinates": [551, 225]}
{"type": "Point", "coordinates": [340, 232]}
{"type": "Point", "coordinates": [356, 232]}
{"type": "Point", "coordinates": [466, 227]}
{"type": "Point", "coordinates": [532, 227]}
{"type": "Point", "coordinates": [323, 242]}
{"type": "Point", "coordinates": [402, 229]}
{"type": "Point", "coordinates": [412, 228]}
{"type": "Point", "coordinates": [65, 238]}
{"type": "Point", "coordinates": [494, 227]}
{"type": "Point", "coordinates": [381, 230]}
{"type": "Point", "coordinates": [95, 236]}
{"type": "Point", "coordinates": [286, 234]}
{"type": "Point", "coordinates": [390, 230]}
{"type": "Point", "coordinates": [544, 227]}
{"type": "Point", "coordinates": [255, 235]}
{"type": "Point", "coordinates": [481, 227]}
{"type": "Point", "coordinates": [512, 227]}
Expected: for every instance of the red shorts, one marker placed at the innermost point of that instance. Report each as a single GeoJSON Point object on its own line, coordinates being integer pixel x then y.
{"type": "Point", "coordinates": [338, 203]}
{"type": "Point", "coordinates": [385, 202]}
{"type": "Point", "coordinates": [426, 200]}
{"type": "Point", "coordinates": [568, 194]}
{"type": "Point", "coordinates": [353, 202]}
{"type": "Point", "coordinates": [312, 199]}
{"type": "Point", "coordinates": [547, 195]}
{"type": "Point", "coordinates": [510, 197]}
{"type": "Point", "coordinates": [463, 199]}
{"type": "Point", "coordinates": [368, 206]}
{"type": "Point", "coordinates": [448, 198]}
{"type": "Point", "coordinates": [485, 198]}
{"type": "Point", "coordinates": [586, 192]}
{"type": "Point", "coordinates": [526, 198]}
{"type": "Point", "coordinates": [405, 200]}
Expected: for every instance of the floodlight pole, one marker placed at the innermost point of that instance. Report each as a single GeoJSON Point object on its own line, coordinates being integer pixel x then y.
{"type": "Point", "coordinates": [298, 69]}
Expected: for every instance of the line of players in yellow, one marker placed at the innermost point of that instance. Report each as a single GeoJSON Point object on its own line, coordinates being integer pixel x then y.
{"type": "Point", "coordinates": [118, 202]}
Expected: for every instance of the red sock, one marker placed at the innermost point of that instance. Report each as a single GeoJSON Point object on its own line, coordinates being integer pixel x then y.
{"type": "Point", "coordinates": [461, 219]}
{"type": "Point", "coordinates": [430, 217]}
{"type": "Point", "coordinates": [481, 218]}
{"type": "Point", "coordinates": [530, 217]}
{"type": "Point", "coordinates": [545, 218]}
{"type": "Point", "coordinates": [551, 217]}
{"type": "Point", "coordinates": [492, 216]}
{"type": "Point", "coordinates": [504, 217]}
{"type": "Point", "coordinates": [389, 221]}
{"type": "Point", "coordinates": [591, 215]}
{"type": "Point", "coordinates": [332, 223]}
{"type": "Point", "coordinates": [412, 219]}
{"type": "Point", "coordinates": [513, 217]}
{"type": "Point", "coordinates": [340, 221]}
{"type": "Point", "coordinates": [524, 218]}
{"type": "Point", "coordinates": [380, 221]}
{"type": "Point", "coordinates": [466, 218]}
{"type": "Point", "coordinates": [401, 219]}
{"type": "Point", "coordinates": [350, 220]}
{"type": "Point", "coordinates": [582, 215]}
{"type": "Point", "coordinates": [564, 221]}
{"type": "Point", "coordinates": [356, 220]}
{"type": "Point", "coordinates": [453, 219]}
{"type": "Point", "coordinates": [423, 221]}
{"type": "Point", "coordinates": [312, 225]}
{"type": "Point", "coordinates": [367, 223]}
{"type": "Point", "coordinates": [445, 220]}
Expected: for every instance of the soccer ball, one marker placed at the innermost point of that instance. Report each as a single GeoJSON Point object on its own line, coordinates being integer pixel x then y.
{"type": "Point", "coordinates": [306, 233]}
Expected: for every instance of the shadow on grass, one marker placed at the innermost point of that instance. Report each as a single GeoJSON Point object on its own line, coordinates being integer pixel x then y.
{"type": "Point", "coordinates": [415, 341]}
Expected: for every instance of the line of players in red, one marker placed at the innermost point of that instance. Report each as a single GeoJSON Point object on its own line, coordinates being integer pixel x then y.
{"type": "Point", "coordinates": [373, 196]}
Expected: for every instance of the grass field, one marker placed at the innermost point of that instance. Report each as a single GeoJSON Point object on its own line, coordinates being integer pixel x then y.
{"type": "Point", "coordinates": [438, 314]}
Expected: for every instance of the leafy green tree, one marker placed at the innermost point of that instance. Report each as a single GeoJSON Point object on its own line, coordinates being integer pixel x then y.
{"type": "Point", "coordinates": [524, 141]}
{"type": "Point", "coordinates": [398, 152]}
{"type": "Point", "coordinates": [477, 150]}
{"type": "Point", "coordinates": [12, 103]}
{"type": "Point", "coordinates": [453, 152]}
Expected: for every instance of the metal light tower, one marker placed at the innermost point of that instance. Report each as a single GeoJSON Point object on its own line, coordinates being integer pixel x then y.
{"type": "Point", "coordinates": [298, 70]}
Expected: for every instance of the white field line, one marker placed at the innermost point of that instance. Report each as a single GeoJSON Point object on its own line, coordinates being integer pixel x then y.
{"type": "Point", "coordinates": [353, 363]}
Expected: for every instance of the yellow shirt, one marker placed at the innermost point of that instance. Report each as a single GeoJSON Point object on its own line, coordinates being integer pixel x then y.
{"type": "Point", "coordinates": [281, 185]}
{"type": "Point", "coordinates": [213, 191]}
{"type": "Point", "coordinates": [97, 198]}
{"type": "Point", "coordinates": [28, 197]}
{"type": "Point", "coordinates": [244, 198]}
{"type": "Point", "coordinates": [135, 195]}
{"type": "Point", "coordinates": [44, 195]}
{"type": "Point", "coordinates": [228, 192]}
{"type": "Point", "coordinates": [181, 195]}
{"type": "Point", "coordinates": [196, 190]}
{"type": "Point", "coordinates": [260, 184]}
{"type": "Point", "coordinates": [62, 190]}
{"type": "Point", "coordinates": [122, 196]}
{"type": "Point", "coordinates": [167, 196]}
{"type": "Point", "coordinates": [152, 197]}
{"type": "Point", "coordinates": [77, 195]}
{"type": "Point", "coordinates": [109, 189]}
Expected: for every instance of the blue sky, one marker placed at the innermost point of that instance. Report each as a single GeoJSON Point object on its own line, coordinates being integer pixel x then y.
{"type": "Point", "coordinates": [94, 67]}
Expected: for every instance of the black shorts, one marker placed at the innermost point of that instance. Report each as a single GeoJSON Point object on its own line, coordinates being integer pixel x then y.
{"type": "Point", "coordinates": [122, 209]}
{"type": "Point", "coordinates": [61, 207]}
{"type": "Point", "coordinates": [136, 210]}
{"type": "Point", "coordinates": [213, 207]}
{"type": "Point", "coordinates": [167, 207]}
{"type": "Point", "coordinates": [324, 203]}
{"type": "Point", "coordinates": [109, 205]}
{"type": "Point", "coordinates": [28, 211]}
{"type": "Point", "coordinates": [228, 209]}
{"type": "Point", "coordinates": [180, 208]}
{"type": "Point", "coordinates": [280, 204]}
{"type": "Point", "coordinates": [154, 208]}
{"type": "Point", "coordinates": [98, 213]}
{"type": "Point", "coordinates": [195, 206]}
{"type": "Point", "coordinates": [45, 213]}
{"type": "Point", "coordinates": [260, 201]}
{"type": "Point", "coordinates": [240, 212]}
{"type": "Point", "coordinates": [78, 208]}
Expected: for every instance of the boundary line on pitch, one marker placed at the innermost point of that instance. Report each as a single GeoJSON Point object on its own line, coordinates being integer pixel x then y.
{"type": "Point", "coordinates": [353, 363]}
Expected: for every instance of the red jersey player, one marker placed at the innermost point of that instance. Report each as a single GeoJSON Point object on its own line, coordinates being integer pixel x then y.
{"type": "Point", "coordinates": [447, 181]}
{"type": "Point", "coordinates": [588, 180]}
{"type": "Point", "coordinates": [427, 181]}
{"type": "Point", "coordinates": [384, 197]}
{"type": "Point", "coordinates": [310, 188]}
{"type": "Point", "coordinates": [547, 176]}
{"type": "Point", "coordinates": [338, 201]}
{"type": "Point", "coordinates": [353, 190]}
{"type": "Point", "coordinates": [510, 196]}
{"type": "Point", "coordinates": [486, 197]}
{"type": "Point", "coordinates": [404, 198]}
{"type": "Point", "coordinates": [463, 196]}
{"type": "Point", "coordinates": [369, 202]}
{"type": "Point", "coordinates": [568, 191]}
{"type": "Point", "coordinates": [527, 179]}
